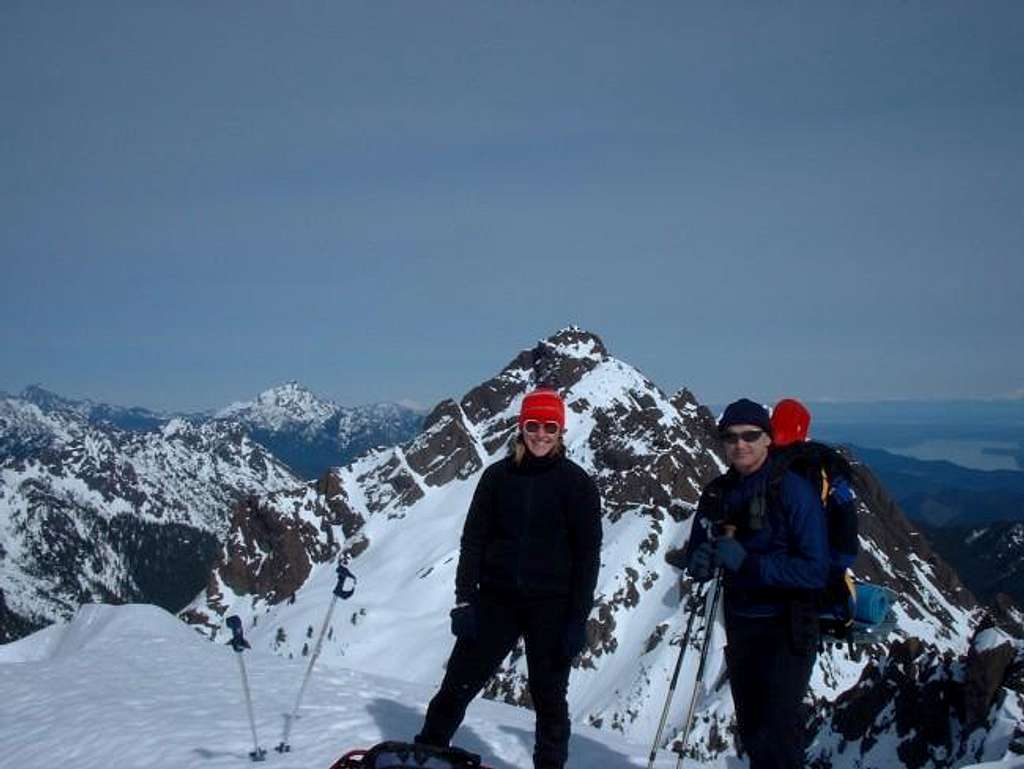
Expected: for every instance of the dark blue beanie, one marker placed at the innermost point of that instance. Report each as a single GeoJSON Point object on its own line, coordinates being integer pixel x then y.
{"type": "Point", "coordinates": [746, 412]}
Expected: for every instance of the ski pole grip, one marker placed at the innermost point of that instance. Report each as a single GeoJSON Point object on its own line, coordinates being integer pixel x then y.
{"type": "Point", "coordinates": [340, 590]}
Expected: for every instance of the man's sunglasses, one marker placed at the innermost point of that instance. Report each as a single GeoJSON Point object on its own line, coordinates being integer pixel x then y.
{"type": "Point", "coordinates": [747, 436]}
{"type": "Point", "coordinates": [533, 426]}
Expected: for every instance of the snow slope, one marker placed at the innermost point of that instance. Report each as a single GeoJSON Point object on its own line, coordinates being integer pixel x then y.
{"type": "Point", "coordinates": [132, 687]}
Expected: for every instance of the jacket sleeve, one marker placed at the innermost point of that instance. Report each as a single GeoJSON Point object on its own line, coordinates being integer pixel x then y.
{"type": "Point", "coordinates": [585, 541]}
{"type": "Point", "coordinates": [474, 539]}
{"type": "Point", "coordinates": [803, 564]}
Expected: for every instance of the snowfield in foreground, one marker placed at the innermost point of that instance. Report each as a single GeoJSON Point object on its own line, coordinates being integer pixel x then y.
{"type": "Point", "coordinates": [132, 686]}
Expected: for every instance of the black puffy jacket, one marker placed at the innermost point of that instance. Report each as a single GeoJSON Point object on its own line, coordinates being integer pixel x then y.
{"type": "Point", "coordinates": [533, 529]}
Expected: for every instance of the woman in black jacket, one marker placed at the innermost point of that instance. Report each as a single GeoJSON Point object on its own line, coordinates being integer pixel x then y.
{"type": "Point", "coordinates": [528, 565]}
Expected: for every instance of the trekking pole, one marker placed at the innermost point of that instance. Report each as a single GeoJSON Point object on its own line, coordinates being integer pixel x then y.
{"type": "Point", "coordinates": [239, 644]}
{"type": "Point", "coordinates": [691, 605]}
{"type": "Point", "coordinates": [709, 626]}
{"type": "Point", "coordinates": [339, 592]}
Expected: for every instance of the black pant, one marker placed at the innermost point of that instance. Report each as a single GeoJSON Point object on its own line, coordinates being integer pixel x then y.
{"type": "Point", "coordinates": [769, 673]}
{"type": "Point", "coordinates": [501, 620]}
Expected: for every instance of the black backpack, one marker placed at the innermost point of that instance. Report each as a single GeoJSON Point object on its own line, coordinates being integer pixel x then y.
{"type": "Point", "coordinates": [407, 755]}
{"type": "Point", "coordinates": [831, 475]}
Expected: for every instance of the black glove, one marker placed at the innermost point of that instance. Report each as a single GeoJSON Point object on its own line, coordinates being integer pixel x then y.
{"type": "Point", "coordinates": [702, 563]}
{"type": "Point", "coordinates": [575, 639]}
{"type": "Point", "coordinates": [464, 622]}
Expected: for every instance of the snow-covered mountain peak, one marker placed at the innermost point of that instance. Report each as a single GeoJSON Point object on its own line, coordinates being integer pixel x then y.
{"type": "Point", "coordinates": [47, 399]}
{"type": "Point", "coordinates": [575, 342]}
{"type": "Point", "coordinates": [281, 406]}
{"type": "Point", "coordinates": [311, 433]}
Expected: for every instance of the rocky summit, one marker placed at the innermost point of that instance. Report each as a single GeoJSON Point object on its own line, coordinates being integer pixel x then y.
{"type": "Point", "coordinates": [395, 517]}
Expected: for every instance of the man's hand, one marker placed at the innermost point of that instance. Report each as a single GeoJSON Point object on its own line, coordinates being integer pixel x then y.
{"type": "Point", "coordinates": [702, 563]}
{"type": "Point", "coordinates": [730, 553]}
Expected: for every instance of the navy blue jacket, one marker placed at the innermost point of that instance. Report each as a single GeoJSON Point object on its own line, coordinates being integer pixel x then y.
{"type": "Point", "coordinates": [787, 550]}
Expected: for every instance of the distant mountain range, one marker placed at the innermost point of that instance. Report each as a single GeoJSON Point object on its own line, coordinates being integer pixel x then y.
{"type": "Point", "coordinates": [310, 434]}
{"type": "Point", "coordinates": [306, 432]}
{"type": "Point", "coordinates": [104, 503]}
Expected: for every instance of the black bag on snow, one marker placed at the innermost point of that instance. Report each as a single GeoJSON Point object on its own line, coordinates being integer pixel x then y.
{"type": "Point", "coordinates": [407, 755]}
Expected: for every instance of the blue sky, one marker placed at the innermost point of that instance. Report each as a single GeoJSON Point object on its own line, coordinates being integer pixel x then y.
{"type": "Point", "coordinates": [389, 200]}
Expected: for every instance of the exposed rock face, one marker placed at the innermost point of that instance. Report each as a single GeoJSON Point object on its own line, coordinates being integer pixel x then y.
{"type": "Point", "coordinates": [338, 512]}
{"type": "Point", "coordinates": [276, 546]}
{"type": "Point", "coordinates": [989, 557]}
{"type": "Point", "coordinates": [986, 673]}
{"type": "Point", "coordinates": [445, 450]}
{"type": "Point", "coordinates": [929, 708]}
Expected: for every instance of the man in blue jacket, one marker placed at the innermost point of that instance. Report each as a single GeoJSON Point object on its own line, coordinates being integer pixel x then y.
{"type": "Point", "coordinates": [772, 545]}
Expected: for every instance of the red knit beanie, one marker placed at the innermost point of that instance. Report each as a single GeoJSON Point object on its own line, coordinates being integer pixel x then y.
{"type": "Point", "coordinates": [790, 422]}
{"type": "Point", "coordinates": [542, 406]}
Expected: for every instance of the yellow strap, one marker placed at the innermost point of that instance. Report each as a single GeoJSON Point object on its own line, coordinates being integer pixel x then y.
{"type": "Point", "coordinates": [848, 579]}
{"type": "Point", "coordinates": [824, 486]}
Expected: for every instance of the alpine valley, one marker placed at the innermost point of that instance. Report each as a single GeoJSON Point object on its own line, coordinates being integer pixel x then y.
{"type": "Point", "coordinates": [947, 689]}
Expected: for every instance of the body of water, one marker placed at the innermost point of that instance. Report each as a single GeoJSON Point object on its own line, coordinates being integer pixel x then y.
{"type": "Point", "coordinates": [973, 454]}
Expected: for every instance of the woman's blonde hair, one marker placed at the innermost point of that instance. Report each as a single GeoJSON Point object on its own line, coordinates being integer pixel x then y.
{"type": "Point", "coordinates": [518, 448]}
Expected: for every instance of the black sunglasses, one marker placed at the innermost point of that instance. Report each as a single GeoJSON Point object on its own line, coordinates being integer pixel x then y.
{"type": "Point", "coordinates": [747, 436]}
{"type": "Point", "coordinates": [532, 426]}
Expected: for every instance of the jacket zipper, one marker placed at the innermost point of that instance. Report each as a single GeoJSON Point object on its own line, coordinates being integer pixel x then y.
{"type": "Point", "coordinates": [525, 531]}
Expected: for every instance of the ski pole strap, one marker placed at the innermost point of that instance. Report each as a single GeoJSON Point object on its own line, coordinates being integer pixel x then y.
{"type": "Point", "coordinates": [339, 589]}
{"type": "Point", "coordinates": [237, 640]}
